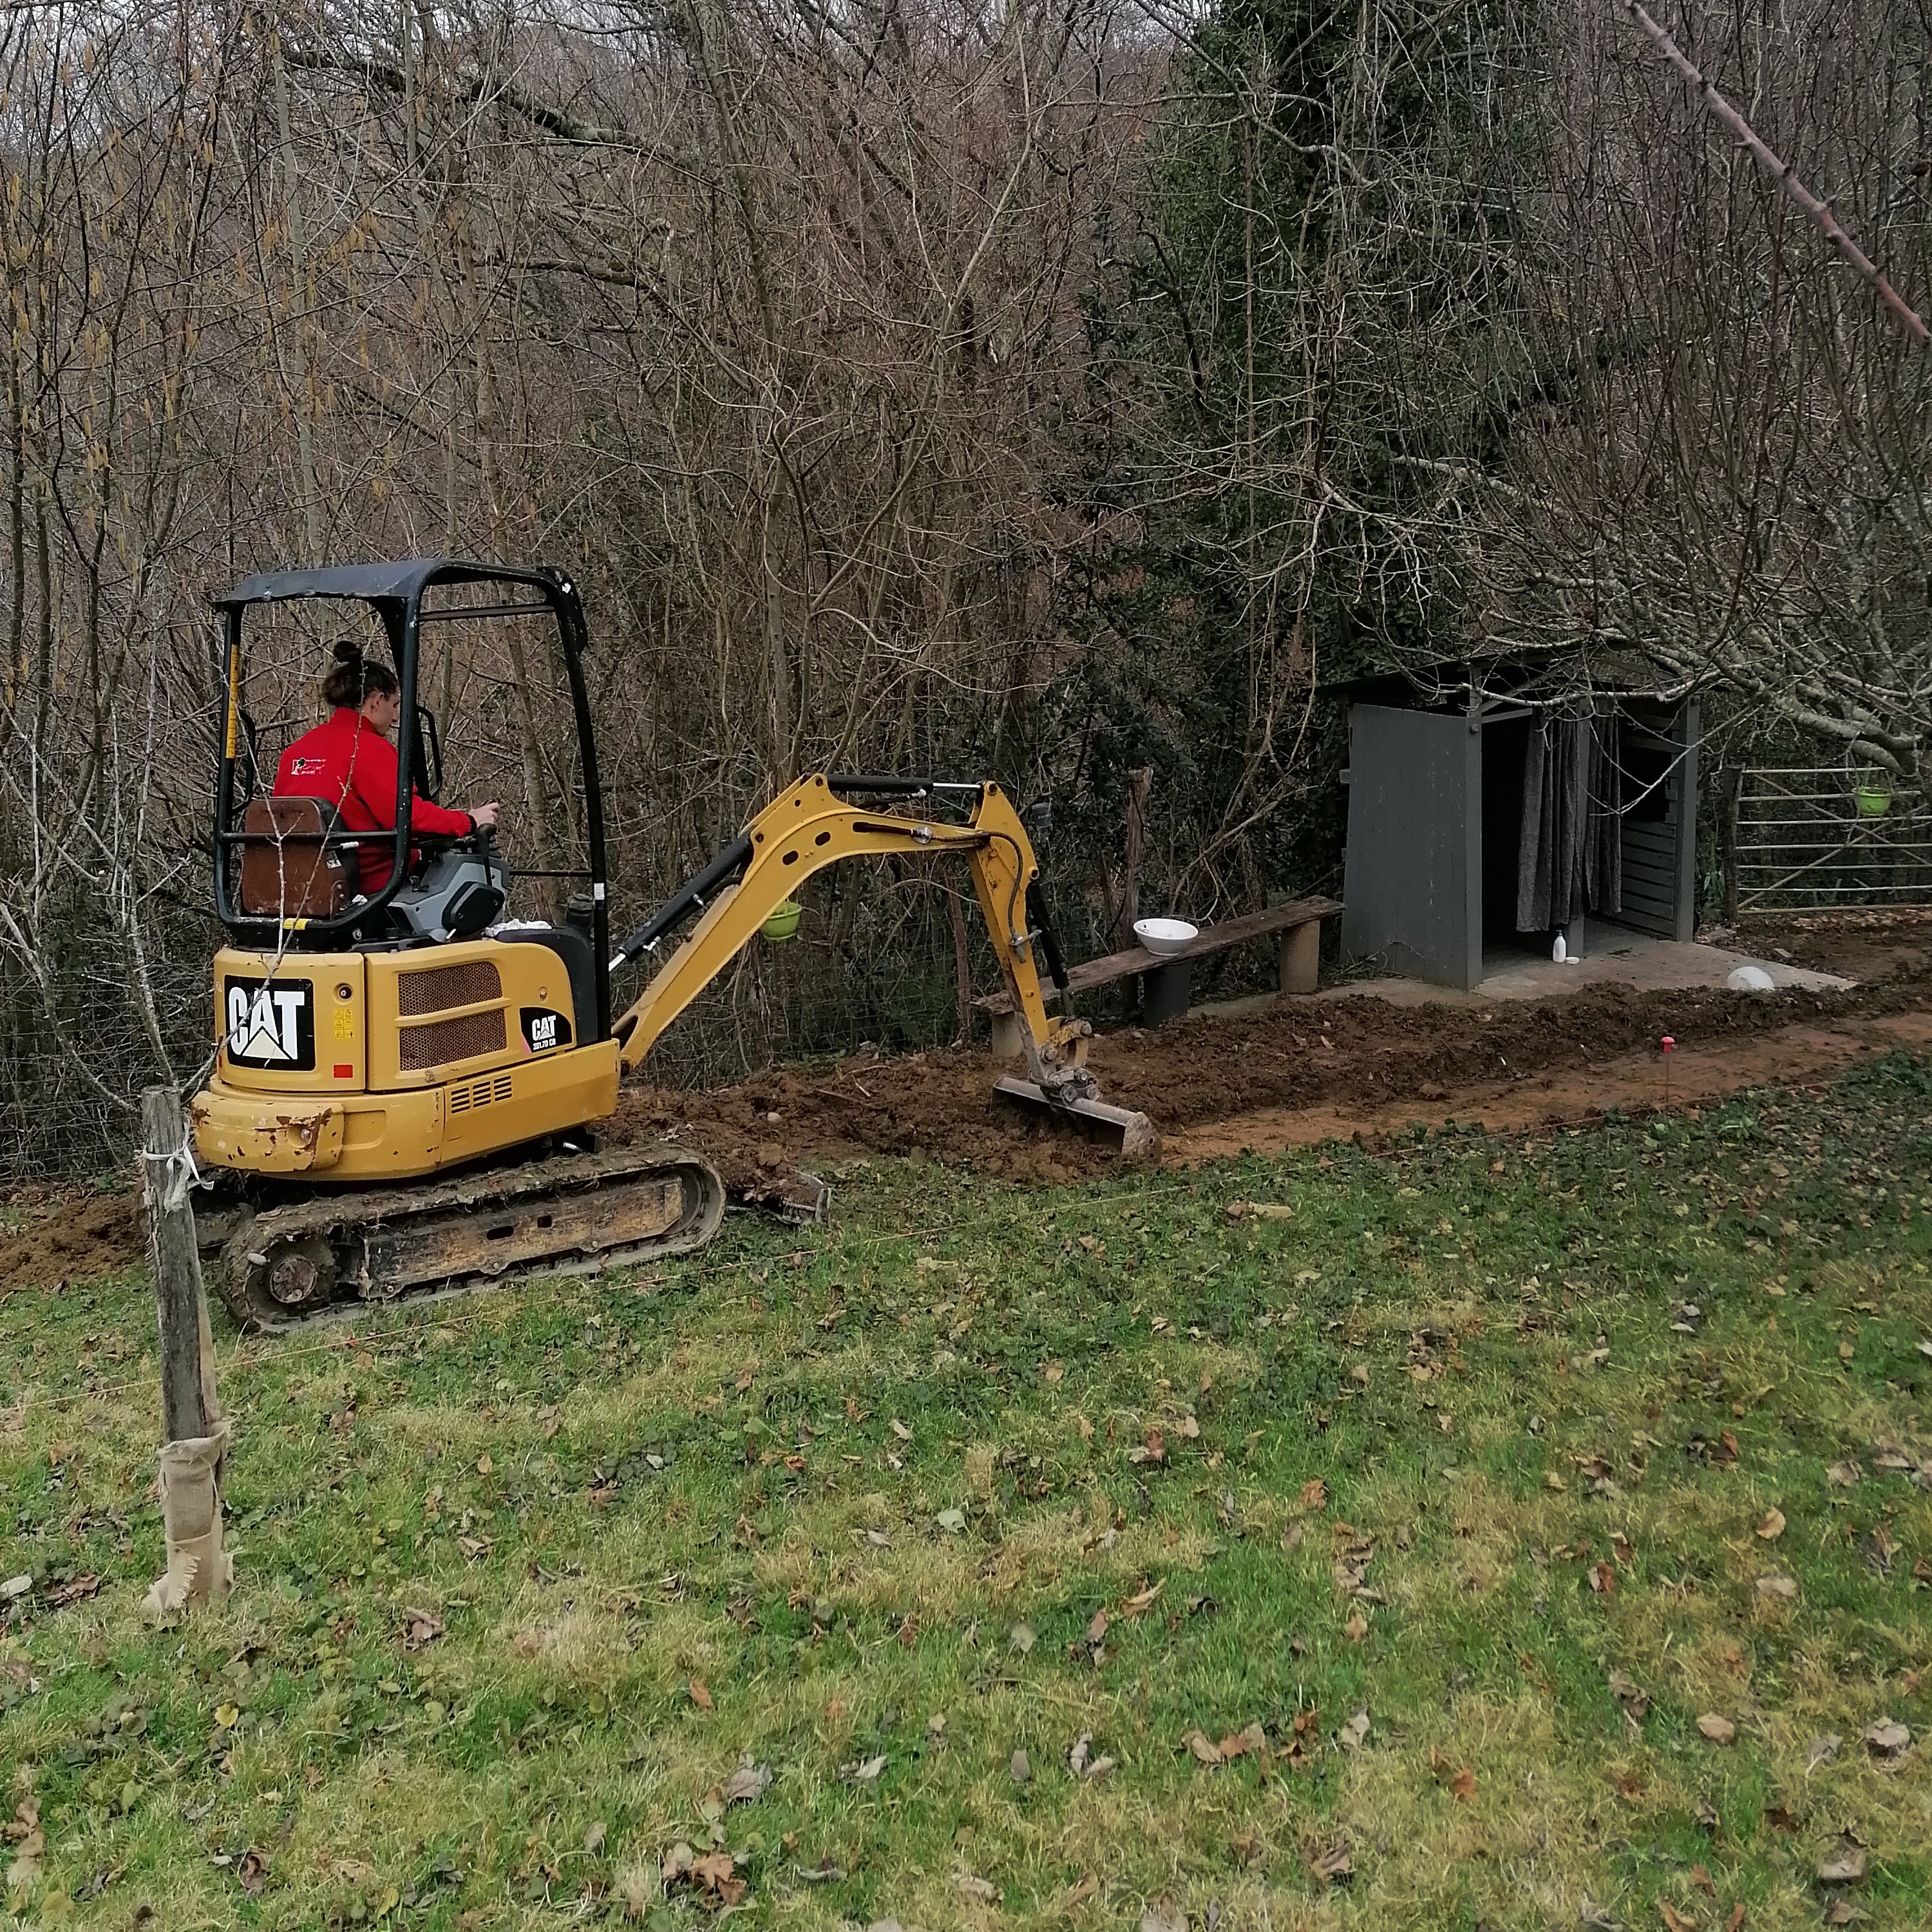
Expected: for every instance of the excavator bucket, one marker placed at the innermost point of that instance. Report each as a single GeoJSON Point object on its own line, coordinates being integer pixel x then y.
{"type": "Point", "coordinates": [1131, 1136]}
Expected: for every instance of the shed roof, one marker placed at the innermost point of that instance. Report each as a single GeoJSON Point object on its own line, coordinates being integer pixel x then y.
{"type": "Point", "coordinates": [1540, 676]}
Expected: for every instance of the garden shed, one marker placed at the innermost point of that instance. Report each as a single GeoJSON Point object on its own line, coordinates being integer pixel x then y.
{"type": "Point", "coordinates": [1494, 802]}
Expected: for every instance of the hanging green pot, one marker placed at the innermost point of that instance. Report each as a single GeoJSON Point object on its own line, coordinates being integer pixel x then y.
{"type": "Point", "coordinates": [783, 923]}
{"type": "Point", "coordinates": [1874, 800]}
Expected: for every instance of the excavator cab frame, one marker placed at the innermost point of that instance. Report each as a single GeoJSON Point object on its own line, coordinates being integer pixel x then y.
{"type": "Point", "coordinates": [396, 592]}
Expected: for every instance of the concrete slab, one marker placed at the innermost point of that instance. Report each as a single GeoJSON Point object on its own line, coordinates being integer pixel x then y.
{"type": "Point", "coordinates": [1616, 955]}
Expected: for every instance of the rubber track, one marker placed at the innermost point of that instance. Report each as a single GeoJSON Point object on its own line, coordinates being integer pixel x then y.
{"type": "Point", "coordinates": [241, 1282]}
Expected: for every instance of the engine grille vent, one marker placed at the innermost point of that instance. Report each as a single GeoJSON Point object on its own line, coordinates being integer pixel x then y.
{"type": "Point", "coordinates": [483, 1094]}
{"type": "Point", "coordinates": [462, 1038]}
{"type": "Point", "coordinates": [436, 989]}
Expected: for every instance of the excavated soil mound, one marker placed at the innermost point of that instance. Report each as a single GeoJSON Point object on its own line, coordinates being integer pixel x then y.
{"type": "Point", "coordinates": [75, 1238]}
{"type": "Point", "coordinates": [1357, 1059]}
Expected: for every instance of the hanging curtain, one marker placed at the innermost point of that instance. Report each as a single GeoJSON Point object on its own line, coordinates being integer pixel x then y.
{"type": "Point", "coordinates": [1550, 881]}
{"type": "Point", "coordinates": [1569, 852]}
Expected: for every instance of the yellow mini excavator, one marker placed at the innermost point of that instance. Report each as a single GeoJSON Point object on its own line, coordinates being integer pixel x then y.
{"type": "Point", "coordinates": [412, 1034]}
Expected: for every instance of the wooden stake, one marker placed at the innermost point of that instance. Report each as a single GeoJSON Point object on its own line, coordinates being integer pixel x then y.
{"type": "Point", "coordinates": [190, 1407]}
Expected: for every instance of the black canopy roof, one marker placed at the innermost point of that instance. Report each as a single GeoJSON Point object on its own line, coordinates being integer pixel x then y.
{"type": "Point", "coordinates": [395, 583]}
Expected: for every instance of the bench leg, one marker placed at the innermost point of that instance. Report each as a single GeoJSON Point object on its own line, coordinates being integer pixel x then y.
{"type": "Point", "coordinates": [1300, 954]}
{"type": "Point", "coordinates": [1007, 1037]}
{"type": "Point", "coordinates": [1165, 992]}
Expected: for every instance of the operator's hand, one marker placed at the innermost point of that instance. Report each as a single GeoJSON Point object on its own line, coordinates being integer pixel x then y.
{"type": "Point", "coordinates": [485, 816]}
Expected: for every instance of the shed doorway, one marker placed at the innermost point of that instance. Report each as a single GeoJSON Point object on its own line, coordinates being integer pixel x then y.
{"type": "Point", "coordinates": [1437, 875]}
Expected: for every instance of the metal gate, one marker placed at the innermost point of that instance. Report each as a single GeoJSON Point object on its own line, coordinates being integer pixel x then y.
{"type": "Point", "coordinates": [1815, 836]}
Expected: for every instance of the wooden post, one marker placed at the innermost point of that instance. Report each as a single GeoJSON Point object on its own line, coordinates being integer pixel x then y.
{"type": "Point", "coordinates": [189, 1405]}
{"type": "Point", "coordinates": [1300, 956]}
{"type": "Point", "coordinates": [193, 1437]}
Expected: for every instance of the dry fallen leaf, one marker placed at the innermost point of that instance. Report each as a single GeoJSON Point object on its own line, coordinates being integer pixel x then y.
{"type": "Point", "coordinates": [1887, 1740]}
{"type": "Point", "coordinates": [1844, 1474]}
{"type": "Point", "coordinates": [419, 1627]}
{"type": "Point", "coordinates": [748, 1782]}
{"type": "Point", "coordinates": [1332, 1862]}
{"type": "Point", "coordinates": [253, 1872]}
{"type": "Point", "coordinates": [1720, 1730]}
{"type": "Point", "coordinates": [1315, 1494]}
{"type": "Point", "coordinates": [1603, 1579]}
{"type": "Point", "coordinates": [1773, 1584]}
{"type": "Point", "coordinates": [701, 1693]}
{"type": "Point", "coordinates": [1770, 1526]}
{"type": "Point", "coordinates": [975, 1888]}
{"type": "Point", "coordinates": [1678, 1921]}
{"type": "Point", "coordinates": [1629, 1693]}
{"type": "Point", "coordinates": [1463, 1784]}
{"type": "Point", "coordinates": [713, 1872]}
{"type": "Point", "coordinates": [1700, 1877]}
{"type": "Point", "coordinates": [1079, 1895]}
{"type": "Point", "coordinates": [1163, 1916]}
{"type": "Point", "coordinates": [1356, 1628]}
{"type": "Point", "coordinates": [1822, 1751]}
{"type": "Point", "coordinates": [593, 1838]}
{"type": "Point", "coordinates": [1143, 1598]}
{"type": "Point", "coordinates": [1208, 1753]}
{"type": "Point", "coordinates": [1737, 1917]}
{"type": "Point", "coordinates": [1845, 1866]}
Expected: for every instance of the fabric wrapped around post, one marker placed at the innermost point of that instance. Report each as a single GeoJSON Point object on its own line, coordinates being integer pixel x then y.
{"type": "Point", "coordinates": [199, 1570]}
{"type": "Point", "coordinates": [1550, 881]}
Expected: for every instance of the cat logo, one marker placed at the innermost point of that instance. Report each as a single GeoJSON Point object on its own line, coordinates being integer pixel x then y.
{"type": "Point", "coordinates": [270, 1024]}
{"type": "Point", "coordinates": [544, 1031]}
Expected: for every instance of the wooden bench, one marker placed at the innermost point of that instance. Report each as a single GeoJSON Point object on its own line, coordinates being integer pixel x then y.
{"type": "Point", "coordinates": [1165, 979]}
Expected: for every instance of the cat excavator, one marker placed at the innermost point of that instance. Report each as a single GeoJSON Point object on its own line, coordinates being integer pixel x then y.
{"type": "Point", "coordinates": [406, 1080]}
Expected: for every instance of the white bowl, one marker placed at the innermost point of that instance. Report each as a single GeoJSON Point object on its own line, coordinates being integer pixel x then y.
{"type": "Point", "coordinates": [1165, 936]}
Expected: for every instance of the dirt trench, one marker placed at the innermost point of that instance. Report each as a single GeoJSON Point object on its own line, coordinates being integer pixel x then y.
{"type": "Point", "coordinates": [1300, 1072]}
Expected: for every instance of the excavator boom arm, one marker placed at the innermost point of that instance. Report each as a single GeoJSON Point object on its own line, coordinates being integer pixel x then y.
{"type": "Point", "coordinates": [809, 827]}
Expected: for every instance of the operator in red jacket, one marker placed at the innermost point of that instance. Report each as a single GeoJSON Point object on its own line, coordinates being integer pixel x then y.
{"type": "Point", "coordinates": [350, 762]}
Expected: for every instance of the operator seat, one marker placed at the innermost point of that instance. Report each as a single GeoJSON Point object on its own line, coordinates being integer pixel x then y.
{"type": "Point", "coordinates": [287, 871]}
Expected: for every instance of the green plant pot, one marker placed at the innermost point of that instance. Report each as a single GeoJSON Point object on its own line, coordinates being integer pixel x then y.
{"type": "Point", "coordinates": [1872, 803]}
{"type": "Point", "coordinates": [783, 924]}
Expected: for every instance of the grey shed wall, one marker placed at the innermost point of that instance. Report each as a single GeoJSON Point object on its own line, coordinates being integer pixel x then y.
{"type": "Point", "coordinates": [1661, 853]}
{"type": "Point", "coordinates": [1413, 890]}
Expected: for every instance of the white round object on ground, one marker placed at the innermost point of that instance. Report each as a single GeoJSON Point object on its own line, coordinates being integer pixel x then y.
{"type": "Point", "coordinates": [1164, 936]}
{"type": "Point", "coordinates": [1751, 979]}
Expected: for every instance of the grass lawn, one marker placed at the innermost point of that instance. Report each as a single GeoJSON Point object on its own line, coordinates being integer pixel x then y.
{"type": "Point", "coordinates": [1386, 1557]}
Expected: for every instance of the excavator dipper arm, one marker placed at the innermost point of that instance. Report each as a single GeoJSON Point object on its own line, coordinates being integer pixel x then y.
{"type": "Point", "coordinates": [810, 827]}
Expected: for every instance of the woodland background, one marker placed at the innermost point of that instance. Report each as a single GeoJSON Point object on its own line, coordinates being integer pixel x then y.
{"type": "Point", "coordinates": [1052, 391]}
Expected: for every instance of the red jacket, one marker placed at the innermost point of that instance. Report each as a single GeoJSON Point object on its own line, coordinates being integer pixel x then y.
{"type": "Point", "coordinates": [351, 764]}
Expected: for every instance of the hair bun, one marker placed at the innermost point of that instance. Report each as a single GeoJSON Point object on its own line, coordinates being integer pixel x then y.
{"type": "Point", "coordinates": [348, 651]}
